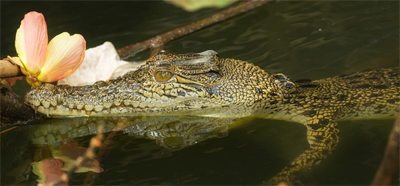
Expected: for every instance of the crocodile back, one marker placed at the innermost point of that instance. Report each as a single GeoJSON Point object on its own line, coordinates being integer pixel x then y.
{"type": "Point", "coordinates": [360, 95]}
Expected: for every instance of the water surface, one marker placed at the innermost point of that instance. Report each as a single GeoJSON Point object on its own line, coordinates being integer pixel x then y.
{"type": "Point", "coordinates": [301, 39]}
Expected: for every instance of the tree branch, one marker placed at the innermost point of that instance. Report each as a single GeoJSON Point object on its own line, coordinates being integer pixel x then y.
{"type": "Point", "coordinates": [132, 50]}
{"type": "Point", "coordinates": [389, 168]}
{"type": "Point", "coordinates": [10, 70]}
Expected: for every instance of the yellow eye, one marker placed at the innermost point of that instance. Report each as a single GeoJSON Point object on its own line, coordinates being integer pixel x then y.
{"type": "Point", "coordinates": [162, 76]}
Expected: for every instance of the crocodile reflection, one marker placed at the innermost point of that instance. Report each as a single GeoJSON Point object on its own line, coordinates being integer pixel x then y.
{"type": "Point", "coordinates": [173, 133]}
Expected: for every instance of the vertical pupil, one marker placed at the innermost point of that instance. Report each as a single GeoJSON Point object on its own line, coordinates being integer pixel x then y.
{"type": "Point", "coordinates": [163, 75]}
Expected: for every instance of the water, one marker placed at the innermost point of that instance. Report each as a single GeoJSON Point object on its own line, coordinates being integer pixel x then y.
{"type": "Point", "coordinates": [301, 39]}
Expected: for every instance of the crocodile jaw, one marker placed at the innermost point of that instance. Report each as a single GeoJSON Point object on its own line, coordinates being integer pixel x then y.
{"type": "Point", "coordinates": [63, 101]}
{"type": "Point", "coordinates": [167, 84]}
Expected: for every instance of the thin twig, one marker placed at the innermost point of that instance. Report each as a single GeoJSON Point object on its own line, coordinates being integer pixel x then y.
{"type": "Point", "coordinates": [4, 131]}
{"type": "Point", "coordinates": [95, 142]}
{"type": "Point", "coordinates": [11, 70]}
{"type": "Point", "coordinates": [162, 39]}
{"type": "Point", "coordinates": [105, 149]}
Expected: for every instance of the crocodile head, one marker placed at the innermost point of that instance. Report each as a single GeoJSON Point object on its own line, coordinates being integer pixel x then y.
{"type": "Point", "coordinates": [167, 84]}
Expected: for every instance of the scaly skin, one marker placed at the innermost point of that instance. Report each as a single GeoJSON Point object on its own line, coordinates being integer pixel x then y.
{"type": "Point", "coordinates": [204, 85]}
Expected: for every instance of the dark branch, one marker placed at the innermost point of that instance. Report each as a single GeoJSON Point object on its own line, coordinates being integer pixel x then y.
{"type": "Point", "coordinates": [132, 50]}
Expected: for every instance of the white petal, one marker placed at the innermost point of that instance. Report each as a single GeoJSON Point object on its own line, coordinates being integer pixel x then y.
{"type": "Point", "coordinates": [99, 64]}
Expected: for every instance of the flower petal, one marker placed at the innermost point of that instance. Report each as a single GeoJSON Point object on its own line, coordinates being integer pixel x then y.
{"type": "Point", "coordinates": [31, 41]}
{"type": "Point", "coordinates": [100, 63]}
{"type": "Point", "coordinates": [64, 55]}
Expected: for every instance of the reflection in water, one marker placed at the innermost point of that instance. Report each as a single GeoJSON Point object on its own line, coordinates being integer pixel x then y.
{"type": "Point", "coordinates": [62, 158]}
{"type": "Point", "coordinates": [173, 133]}
{"type": "Point", "coordinates": [68, 153]}
{"type": "Point", "coordinates": [170, 132]}
{"type": "Point", "coordinates": [48, 170]}
{"type": "Point", "coordinates": [302, 39]}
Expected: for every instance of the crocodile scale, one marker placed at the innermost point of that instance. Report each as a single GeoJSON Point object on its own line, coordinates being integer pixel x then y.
{"type": "Point", "coordinates": [202, 84]}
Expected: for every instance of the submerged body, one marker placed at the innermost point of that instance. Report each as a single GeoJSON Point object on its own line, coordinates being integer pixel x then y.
{"type": "Point", "coordinates": [205, 85]}
{"type": "Point", "coordinates": [200, 84]}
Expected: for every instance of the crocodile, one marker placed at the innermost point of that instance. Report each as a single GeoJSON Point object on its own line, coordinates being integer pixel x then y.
{"type": "Point", "coordinates": [202, 84]}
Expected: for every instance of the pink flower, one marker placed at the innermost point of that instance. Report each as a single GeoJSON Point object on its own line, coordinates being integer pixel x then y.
{"type": "Point", "coordinates": [42, 62]}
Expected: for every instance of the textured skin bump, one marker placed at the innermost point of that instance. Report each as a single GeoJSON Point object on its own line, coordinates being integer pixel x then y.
{"type": "Point", "coordinates": [204, 85]}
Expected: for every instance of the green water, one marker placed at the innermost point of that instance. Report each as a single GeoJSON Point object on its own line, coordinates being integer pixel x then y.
{"type": "Point", "coordinates": [300, 39]}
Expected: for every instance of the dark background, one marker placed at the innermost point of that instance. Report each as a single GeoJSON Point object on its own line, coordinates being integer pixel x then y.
{"type": "Point", "coordinates": [301, 39]}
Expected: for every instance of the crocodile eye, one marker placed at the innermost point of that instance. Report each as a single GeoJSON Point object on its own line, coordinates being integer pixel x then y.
{"type": "Point", "coordinates": [162, 76]}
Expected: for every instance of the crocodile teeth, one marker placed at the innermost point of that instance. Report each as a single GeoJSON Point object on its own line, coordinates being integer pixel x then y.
{"type": "Point", "coordinates": [89, 107]}
{"type": "Point", "coordinates": [143, 104]}
{"type": "Point", "coordinates": [98, 108]}
{"type": "Point", "coordinates": [135, 103]}
{"type": "Point", "coordinates": [53, 103]}
{"type": "Point", "coordinates": [35, 102]}
{"type": "Point", "coordinates": [79, 106]}
{"type": "Point", "coordinates": [59, 101]}
{"type": "Point", "coordinates": [46, 104]}
{"type": "Point", "coordinates": [107, 104]}
{"type": "Point", "coordinates": [127, 102]}
{"type": "Point", "coordinates": [117, 102]}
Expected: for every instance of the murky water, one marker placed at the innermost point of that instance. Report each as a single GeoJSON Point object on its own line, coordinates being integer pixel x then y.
{"type": "Point", "coordinates": [301, 39]}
